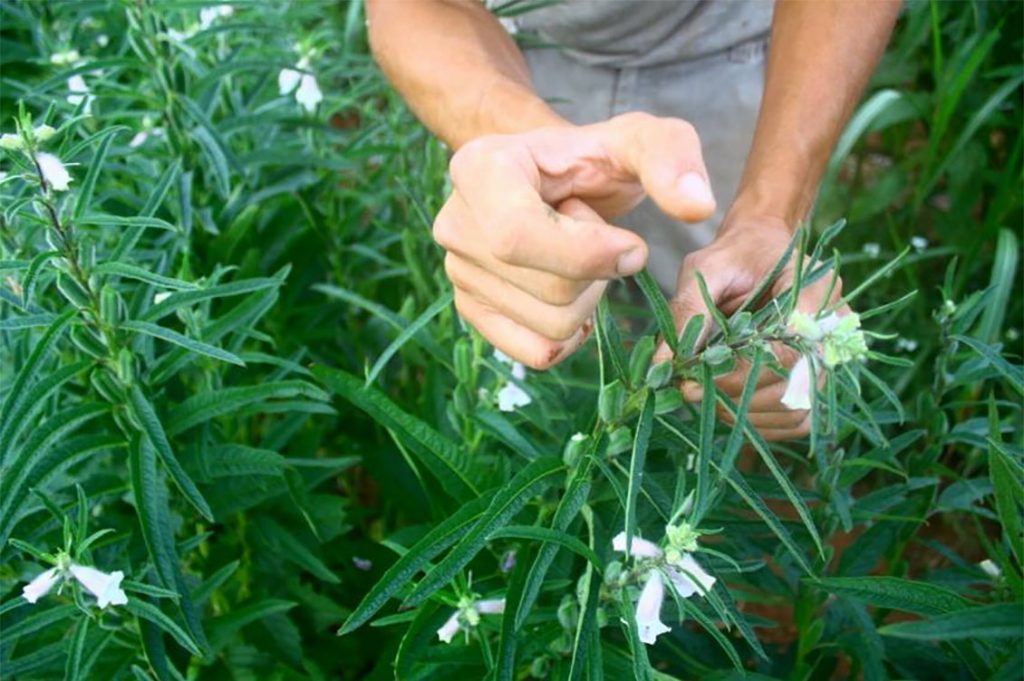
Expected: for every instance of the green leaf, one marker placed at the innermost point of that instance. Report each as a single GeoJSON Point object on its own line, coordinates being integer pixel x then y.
{"type": "Point", "coordinates": [611, 342]}
{"type": "Point", "coordinates": [138, 221]}
{"type": "Point", "coordinates": [291, 549]}
{"type": "Point", "coordinates": [182, 340]}
{"type": "Point", "coordinates": [28, 282]}
{"type": "Point", "coordinates": [127, 271]}
{"type": "Point", "coordinates": [228, 461]}
{"type": "Point", "coordinates": [154, 432]}
{"type": "Point", "coordinates": [641, 438]}
{"type": "Point", "coordinates": [443, 535]}
{"type": "Point", "coordinates": [1008, 484]}
{"type": "Point", "coordinates": [546, 534]}
{"type": "Point", "coordinates": [445, 460]}
{"type": "Point", "coordinates": [156, 198]}
{"type": "Point", "coordinates": [73, 666]}
{"type": "Point", "coordinates": [529, 481]}
{"type": "Point", "coordinates": [1002, 620]}
{"type": "Point", "coordinates": [735, 441]}
{"type": "Point", "coordinates": [1012, 373]}
{"type": "Point", "coordinates": [35, 399]}
{"type": "Point", "coordinates": [183, 298]}
{"type": "Point", "coordinates": [641, 665]}
{"type": "Point", "coordinates": [705, 451]}
{"type": "Point", "coordinates": [774, 524]}
{"type": "Point", "coordinates": [407, 333]}
{"type": "Point", "coordinates": [151, 613]}
{"type": "Point", "coordinates": [224, 627]}
{"type": "Point", "coordinates": [205, 406]}
{"type": "Point", "coordinates": [895, 593]}
{"type": "Point", "coordinates": [662, 312]}
{"type": "Point", "coordinates": [96, 164]}
{"type": "Point", "coordinates": [16, 391]}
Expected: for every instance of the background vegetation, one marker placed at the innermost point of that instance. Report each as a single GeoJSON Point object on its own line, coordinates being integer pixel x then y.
{"type": "Point", "coordinates": [160, 323]}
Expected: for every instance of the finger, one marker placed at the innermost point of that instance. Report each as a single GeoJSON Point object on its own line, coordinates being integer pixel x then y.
{"type": "Point", "coordinates": [777, 435]}
{"type": "Point", "coordinates": [550, 321]}
{"type": "Point", "coordinates": [455, 232]}
{"type": "Point", "coordinates": [776, 420]}
{"type": "Point", "coordinates": [514, 340]}
{"type": "Point", "coordinates": [665, 154]}
{"type": "Point", "coordinates": [500, 184]}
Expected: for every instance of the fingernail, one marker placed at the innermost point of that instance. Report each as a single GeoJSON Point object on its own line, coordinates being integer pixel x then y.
{"type": "Point", "coordinates": [696, 188]}
{"type": "Point", "coordinates": [630, 262]}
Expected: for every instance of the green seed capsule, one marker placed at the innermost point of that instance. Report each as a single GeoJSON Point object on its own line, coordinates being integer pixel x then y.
{"type": "Point", "coordinates": [574, 449]}
{"type": "Point", "coordinates": [126, 367]}
{"type": "Point", "coordinates": [462, 358]}
{"type": "Point", "coordinates": [658, 375]}
{"type": "Point", "coordinates": [640, 359]}
{"type": "Point", "coordinates": [717, 354]}
{"type": "Point", "coordinates": [611, 402]}
{"type": "Point", "coordinates": [667, 400]}
{"type": "Point", "coordinates": [72, 291]}
{"type": "Point", "coordinates": [111, 307]}
{"type": "Point", "coordinates": [106, 385]}
{"type": "Point", "coordinates": [620, 440]}
{"type": "Point", "coordinates": [462, 399]}
{"type": "Point", "coordinates": [86, 340]}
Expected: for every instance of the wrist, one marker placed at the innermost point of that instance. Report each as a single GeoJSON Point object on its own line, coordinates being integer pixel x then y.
{"type": "Point", "coordinates": [506, 107]}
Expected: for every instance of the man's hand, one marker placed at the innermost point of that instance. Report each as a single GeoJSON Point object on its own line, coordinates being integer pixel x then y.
{"type": "Point", "coordinates": [529, 248]}
{"type": "Point", "coordinates": [745, 251]}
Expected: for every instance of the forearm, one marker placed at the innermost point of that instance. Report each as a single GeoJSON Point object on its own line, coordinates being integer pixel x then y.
{"type": "Point", "coordinates": [822, 54]}
{"type": "Point", "coordinates": [457, 68]}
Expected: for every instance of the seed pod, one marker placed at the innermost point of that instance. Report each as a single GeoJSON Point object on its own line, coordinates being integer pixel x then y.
{"type": "Point", "coordinates": [463, 400]}
{"type": "Point", "coordinates": [462, 358]}
{"type": "Point", "coordinates": [111, 306]}
{"type": "Point", "coordinates": [126, 421]}
{"type": "Point", "coordinates": [574, 449]}
{"type": "Point", "coordinates": [640, 359]}
{"type": "Point", "coordinates": [106, 385]}
{"type": "Point", "coordinates": [86, 340]}
{"type": "Point", "coordinates": [568, 612]}
{"type": "Point", "coordinates": [620, 440]}
{"type": "Point", "coordinates": [658, 375]}
{"type": "Point", "coordinates": [73, 291]}
{"type": "Point", "coordinates": [667, 400]}
{"type": "Point", "coordinates": [126, 367]}
{"type": "Point", "coordinates": [611, 402]}
{"type": "Point", "coordinates": [717, 354]}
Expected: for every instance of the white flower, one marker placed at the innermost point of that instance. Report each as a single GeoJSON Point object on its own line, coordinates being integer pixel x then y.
{"type": "Point", "coordinates": [511, 397]}
{"type": "Point", "coordinates": [64, 58]}
{"type": "Point", "coordinates": [688, 577]}
{"type": "Point", "coordinates": [287, 79]}
{"type": "Point", "coordinates": [161, 297]}
{"type": "Point", "coordinates": [54, 172]}
{"type": "Point", "coordinates": [871, 249]}
{"type": "Point", "coordinates": [648, 609]}
{"type": "Point", "coordinates": [990, 568]}
{"type": "Point", "coordinates": [11, 142]}
{"type": "Point", "coordinates": [919, 243]}
{"type": "Point", "coordinates": [308, 94]}
{"type": "Point", "coordinates": [208, 15]}
{"type": "Point", "coordinates": [102, 40]}
{"type": "Point", "coordinates": [800, 388]}
{"type": "Point", "coordinates": [79, 91]}
{"type": "Point", "coordinates": [906, 344]}
{"type": "Point", "coordinates": [639, 548]}
{"type": "Point", "coordinates": [451, 627]}
{"type": "Point", "coordinates": [106, 587]}
{"type": "Point", "coordinates": [41, 585]}
{"type": "Point", "coordinates": [468, 615]}
{"type": "Point", "coordinates": [3, 176]}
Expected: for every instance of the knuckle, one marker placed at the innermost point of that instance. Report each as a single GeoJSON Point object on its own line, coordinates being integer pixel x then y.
{"type": "Point", "coordinates": [505, 240]}
{"type": "Point", "coordinates": [558, 291]}
{"type": "Point", "coordinates": [467, 159]}
{"type": "Point", "coordinates": [546, 355]}
{"type": "Point", "coordinates": [562, 327]}
{"type": "Point", "coordinates": [444, 231]}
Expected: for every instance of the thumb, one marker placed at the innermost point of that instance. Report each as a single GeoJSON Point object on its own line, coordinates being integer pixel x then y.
{"type": "Point", "coordinates": [665, 155]}
{"type": "Point", "coordinates": [687, 303]}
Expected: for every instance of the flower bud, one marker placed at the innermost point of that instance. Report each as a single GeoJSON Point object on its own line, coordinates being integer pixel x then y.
{"type": "Point", "coordinates": [462, 359]}
{"type": "Point", "coordinates": [658, 375]}
{"type": "Point", "coordinates": [717, 354]}
{"type": "Point", "coordinates": [620, 440]}
{"type": "Point", "coordinates": [574, 449]}
{"type": "Point", "coordinates": [667, 400]}
{"type": "Point", "coordinates": [111, 306]}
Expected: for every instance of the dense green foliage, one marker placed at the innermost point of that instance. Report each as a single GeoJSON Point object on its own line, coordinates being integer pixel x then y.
{"type": "Point", "coordinates": [230, 369]}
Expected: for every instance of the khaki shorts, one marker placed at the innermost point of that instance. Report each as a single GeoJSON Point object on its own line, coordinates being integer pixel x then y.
{"type": "Point", "coordinates": [719, 94]}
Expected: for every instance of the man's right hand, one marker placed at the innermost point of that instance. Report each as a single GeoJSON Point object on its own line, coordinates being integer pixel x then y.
{"type": "Point", "coordinates": [529, 248]}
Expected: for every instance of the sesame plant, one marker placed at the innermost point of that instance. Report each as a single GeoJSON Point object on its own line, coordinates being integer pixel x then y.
{"type": "Point", "coordinates": [244, 433]}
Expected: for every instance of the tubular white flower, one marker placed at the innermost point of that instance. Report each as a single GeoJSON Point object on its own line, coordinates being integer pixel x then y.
{"type": "Point", "coordinates": [41, 585]}
{"type": "Point", "coordinates": [640, 548]}
{"type": "Point", "coordinates": [106, 587]}
{"type": "Point", "coordinates": [511, 397]}
{"type": "Point", "coordinates": [491, 606]}
{"type": "Point", "coordinates": [79, 91]}
{"type": "Point", "coordinates": [688, 577]}
{"type": "Point", "coordinates": [451, 627]}
{"type": "Point", "coordinates": [308, 94]}
{"type": "Point", "coordinates": [287, 79]}
{"type": "Point", "coordinates": [64, 58]}
{"type": "Point", "coordinates": [648, 609]}
{"type": "Point", "coordinates": [800, 388]}
{"type": "Point", "coordinates": [919, 243]}
{"type": "Point", "coordinates": [54, 172]}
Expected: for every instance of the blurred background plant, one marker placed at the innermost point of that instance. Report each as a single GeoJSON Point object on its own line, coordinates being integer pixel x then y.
{"type": "Point", "coordinates": [247, 199]}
